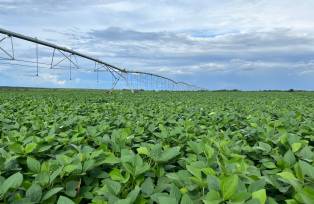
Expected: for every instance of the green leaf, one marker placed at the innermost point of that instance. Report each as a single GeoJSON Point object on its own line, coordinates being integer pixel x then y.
{"type": "Point", "coordinates": [1, 180]}
{"type": "Point", "coordinates": [306, 195]}
{"type": "Point", "coordinates": [142, 150]}
{"type": "Point", "coordinates": [240, 197]}
{"type": "Point", "coordinates": [209, 151]}
{"type": "Point", "coordinates": [16, 148]}
{"type": "Point", "coordinates": [70, 188]}
{"type": "Point", "coordinates": [196, 147]}
{"type": "Point", "coordinates": [195, 171]}
{"type": "Point", "coordinates": [34, 193]}
{"type": "Point", "coordinates": [169, 154]}
{"type": "Point", "coordinates": [139, 167]}
{"type": "Point", "coordinates": [51, 193]}
{"type": "Point", "coordinates": [289, 158]}
{"type": "Point", "coordinates": [30, 147]}
{"type": "Point", "coordinates": [133, 194]}
{"type": "Point", "coordinates": [88, 165]}
{"type": "Point", "coordinates": [307, 154]}
{"type": "Point", "coordinates": [33, 164]}
{"type": "Point", "coordinates": [13, 182]}
{"type": "Point", "coordinates": [111, 159]}
{"type": "Point", "coordinates": [212, 197]}
{"type": "Point", "coordinates": [271, 200]}
{"type": "Point", "coordinates": [229, 186]}
{"type": "Point", "coordinates": [116, 175]}
{"type": "Point", "coordinates": [292, 138]}
{"type": "Point", "coordinates": [166, 199]}
{"type": "Point", "coordinates": [186, 200]}
{"type": "Point", "coordinates": [257, 185]}
{"type": "Point", "coordinates": [71, 167]}
{"type": "Point", "coordinates": [175, 192]}
{"type": "Point", "coordinates": [55, 174]}
{"type": "Point", "coordinates": [291, 179]}
{"type": "Point", "coordinates": [43, 178]}
{"type": "Point", "coordinates": [291, 201]}
{"type": "Point", "coordinates": [64, 200]}
{"type": "Point", "coordinates": [260, 195]}
{"type": "Point", "coordinates": [147, 187]}
{"type": "Point", "coordinates": [213, 183]}
{"type": "Point", "coordinates": [113, 186]}
{"type": "Point", "coordinates": [265, 147]}
{"type": "Point", "coordinates": [287, 175]}
{"type": "Point", "coordinates": [307, 169]}
{"type": "Point", "coordinates": [296, 146]}
{"type": "Point", "coordinates": [269, 165]}
{"type": "Point", "coordinates": [253, 201]}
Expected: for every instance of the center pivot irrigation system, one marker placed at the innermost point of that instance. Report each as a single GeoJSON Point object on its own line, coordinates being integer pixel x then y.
{"type": "Point", "coordinates": [56, 56]}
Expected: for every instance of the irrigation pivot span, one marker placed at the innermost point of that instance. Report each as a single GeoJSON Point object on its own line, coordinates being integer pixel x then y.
{"type": "Point", "coordinates": [133, 79]}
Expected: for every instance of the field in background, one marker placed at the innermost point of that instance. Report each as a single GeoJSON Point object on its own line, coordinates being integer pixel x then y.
{"type": "Point", "coordinates": [182, 147]}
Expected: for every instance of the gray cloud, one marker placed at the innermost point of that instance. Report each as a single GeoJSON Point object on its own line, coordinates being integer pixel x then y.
{"type": "Point", "coordinates": [119, 34]}
{"type": "Point", "coordinates": [48, 5]}
{"type": "Point", "coordinates": [182, 49]}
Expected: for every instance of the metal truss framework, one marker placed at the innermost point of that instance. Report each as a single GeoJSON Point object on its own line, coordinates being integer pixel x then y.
{"type": "Point", "coordinates": [134, 80]}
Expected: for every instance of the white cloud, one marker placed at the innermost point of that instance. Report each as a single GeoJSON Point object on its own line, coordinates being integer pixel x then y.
{"type": "Point", "coordinates": [120, 6]}
{"type": "Point", "coordinates": [50, 78]}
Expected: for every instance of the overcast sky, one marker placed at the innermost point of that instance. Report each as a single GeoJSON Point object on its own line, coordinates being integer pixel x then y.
{"type": "Point", "coordinates": [217, 44]}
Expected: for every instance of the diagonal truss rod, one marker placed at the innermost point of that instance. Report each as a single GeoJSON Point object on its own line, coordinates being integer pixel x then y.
{"type": "Point", "coordinates": [2, 39]}
{"type": "Point", "coordinates": [5, 52]}
{"type": "Point", "coordinates": [11, 56]}
{"type": "Point", "coordinates": [70, 59]}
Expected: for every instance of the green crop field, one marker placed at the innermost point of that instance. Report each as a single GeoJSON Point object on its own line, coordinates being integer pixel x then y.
{"type": "Point", "coordinates": [73, 146]}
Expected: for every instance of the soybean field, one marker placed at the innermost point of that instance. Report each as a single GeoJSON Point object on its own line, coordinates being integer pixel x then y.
{"type": "Point", "coordinates": [89, 146]}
